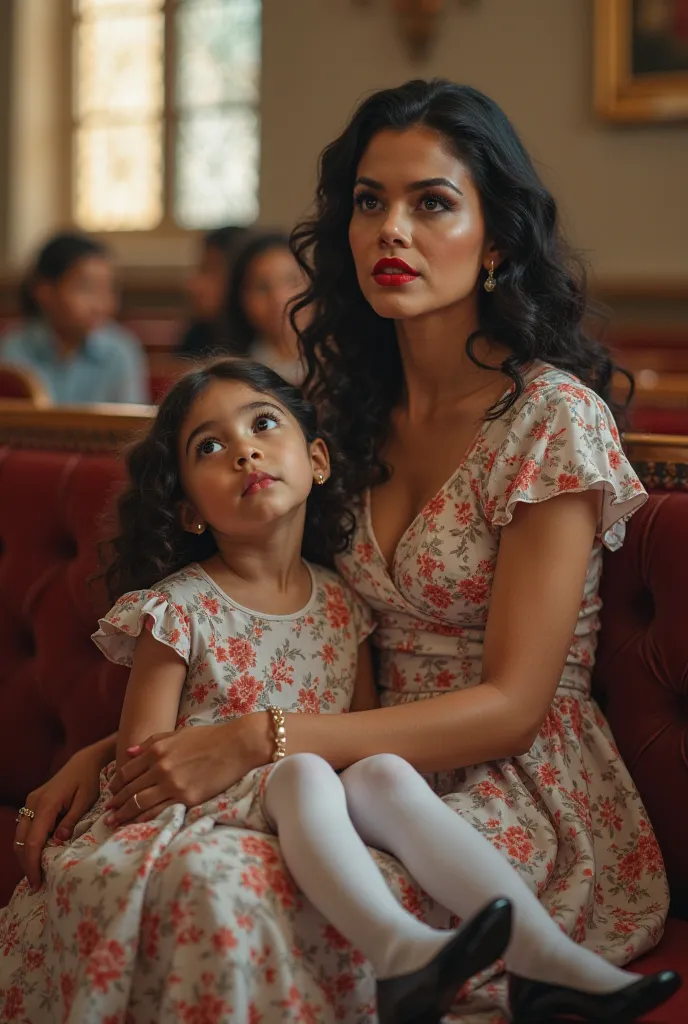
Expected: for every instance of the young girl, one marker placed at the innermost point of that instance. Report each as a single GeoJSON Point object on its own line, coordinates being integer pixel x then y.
{"type": "Point", "coordinates": [67, 335]}
{"type": "Point", "coordinates": [220, 493]}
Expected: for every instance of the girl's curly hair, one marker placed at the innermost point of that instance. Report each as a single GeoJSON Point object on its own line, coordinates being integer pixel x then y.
{"type": "Point", "coordinates": [536, 311]}
{"type": "Point", "coordinates": [150, 542]}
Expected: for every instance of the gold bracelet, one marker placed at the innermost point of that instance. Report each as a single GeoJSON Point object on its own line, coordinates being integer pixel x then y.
{"type": "Point", "coordinates": [279, 732]}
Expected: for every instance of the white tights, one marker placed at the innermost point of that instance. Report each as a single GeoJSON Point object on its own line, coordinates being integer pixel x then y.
{"type": "Point", "coordinates": [324, 821]}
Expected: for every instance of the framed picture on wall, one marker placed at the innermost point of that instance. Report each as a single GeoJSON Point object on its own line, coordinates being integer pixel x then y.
{"type": "Point", "coordinates": [641, 60]}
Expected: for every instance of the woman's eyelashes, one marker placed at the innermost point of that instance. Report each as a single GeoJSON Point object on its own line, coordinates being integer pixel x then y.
{"type": "Point", "coordinates": [429, 202]}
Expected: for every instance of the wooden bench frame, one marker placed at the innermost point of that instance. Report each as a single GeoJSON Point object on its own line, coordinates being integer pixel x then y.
{"type": "Point", "coordinates": [84, 428]}
{"type": "Point", "coordinates": [660, 460]}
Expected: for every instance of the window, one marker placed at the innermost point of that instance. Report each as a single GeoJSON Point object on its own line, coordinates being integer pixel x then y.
{"type": "Point", "coordinates": [165, 113]}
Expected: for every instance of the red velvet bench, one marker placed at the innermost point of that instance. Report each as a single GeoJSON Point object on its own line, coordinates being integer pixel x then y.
{"type": "Point", "coordinates": [59, 466]}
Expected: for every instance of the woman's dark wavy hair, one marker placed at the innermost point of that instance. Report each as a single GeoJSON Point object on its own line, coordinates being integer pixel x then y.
{"type": "Point", "coordinates": [536, 310]}
{"type": "Point", "coordinates": [150, 543]}
{"type": "Point", "coordinates": [237, 334]}
{"type": "Point", "coordinates": [59, 254]}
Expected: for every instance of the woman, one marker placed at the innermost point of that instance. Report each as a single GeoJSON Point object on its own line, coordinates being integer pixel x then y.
{"type": "Point", "coordinates": [445, 332]}
{"type": "Point", "coordinates": [264, 280]}
{"type": "Point", "coordinates": [67, 335]}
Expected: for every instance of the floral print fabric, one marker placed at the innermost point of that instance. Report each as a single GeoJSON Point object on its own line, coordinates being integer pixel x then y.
{"type": "Point", "coordinates": [191, 918]}
{"type": "Point", "coordinates": [187, 918]}
{"type": "Point", "coordinates": [566, 814]}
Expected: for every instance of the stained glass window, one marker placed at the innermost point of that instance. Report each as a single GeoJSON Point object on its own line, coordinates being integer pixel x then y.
{"type": "Point", "coordinates": [158, 81]}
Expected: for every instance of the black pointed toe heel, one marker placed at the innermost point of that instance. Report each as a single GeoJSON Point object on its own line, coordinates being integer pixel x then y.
{"type": "Point", "coordinates": [536, 1002]}
{"type": "Point", "coordinates": [424, 996]}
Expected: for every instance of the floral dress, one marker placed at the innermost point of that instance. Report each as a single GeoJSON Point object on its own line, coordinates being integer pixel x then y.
{"type": "Point", "coordinates": [193, 919]}
{"type": "Point", "coordinates": [119, 934]}
{"type": "Point", "coordinates": [566, 814]}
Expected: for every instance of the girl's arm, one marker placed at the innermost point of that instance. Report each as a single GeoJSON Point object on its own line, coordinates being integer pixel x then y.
{"type": "Point", "coordinates": [541, 568]}
{"type": "Point", "coordinates": [153, 691]}
{"type": "Point", "coordinates": [365, 696]}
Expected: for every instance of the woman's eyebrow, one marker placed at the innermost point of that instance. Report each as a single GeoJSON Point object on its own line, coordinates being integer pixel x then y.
{"type": "Point", "coordinates": [414, 186]}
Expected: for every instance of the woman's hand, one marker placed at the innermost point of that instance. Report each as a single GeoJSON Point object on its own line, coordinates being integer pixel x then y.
{"type": "Point", "coordinates": [187, 767]}
{"type": "Point", "coordinates": [71, 792]}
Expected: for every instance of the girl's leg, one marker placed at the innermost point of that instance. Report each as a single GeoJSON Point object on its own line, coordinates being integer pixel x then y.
{"type": "Point", "coordinates": [393, 809]}
{"type": "Point", "coordinates": [333, 868]}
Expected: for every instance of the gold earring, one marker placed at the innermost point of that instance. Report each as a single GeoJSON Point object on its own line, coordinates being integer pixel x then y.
{"type": "Point", "coordinates": [320, 479]}
{"type": "Point", "coordinates": [199, 527]}
{"type": "Point", "coordinates": [490, 283]}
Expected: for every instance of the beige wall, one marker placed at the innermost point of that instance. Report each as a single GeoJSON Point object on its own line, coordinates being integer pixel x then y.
{"type": "Point", "coordinates": [623, 190]}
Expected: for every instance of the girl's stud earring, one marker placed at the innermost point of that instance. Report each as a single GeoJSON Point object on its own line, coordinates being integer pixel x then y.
{"type": "Point", "coordinates": [199, 526]}
{"type": "Point", "coordinates": [320, 479]}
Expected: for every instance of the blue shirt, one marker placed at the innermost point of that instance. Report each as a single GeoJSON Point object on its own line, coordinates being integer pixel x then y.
{"type": "Point", "coordinates": [108, 367]}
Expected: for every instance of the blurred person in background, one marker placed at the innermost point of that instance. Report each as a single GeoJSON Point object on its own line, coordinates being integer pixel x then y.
{"type": "Point", "coordinates": [206, 287]}
{"type": "Point", "coordinates": [264, 280]}
{"type": "Point", "coordinates": [66, 334]}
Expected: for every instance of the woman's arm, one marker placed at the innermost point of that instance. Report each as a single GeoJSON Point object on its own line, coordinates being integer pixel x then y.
{"type": "Point", "coordinates": [152, 698]}
{"type": "Point", "coordinates": [365, 696]}
{"type": "Point", "coordinates": [538, 585]}
{"type": "Point", "coordinates": [541, 568]}
{"type": "Point", "coordinates": [60, 802]}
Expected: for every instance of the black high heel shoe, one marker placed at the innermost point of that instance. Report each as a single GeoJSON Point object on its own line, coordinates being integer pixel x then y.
{"type": "Point", "coordinates": [532, 1002]}
{"type": "Point", "coordinates": [424, 996]}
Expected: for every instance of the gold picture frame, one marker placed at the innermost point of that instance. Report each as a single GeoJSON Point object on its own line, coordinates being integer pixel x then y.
{"type": "Point", "coordinates": [641, 60]}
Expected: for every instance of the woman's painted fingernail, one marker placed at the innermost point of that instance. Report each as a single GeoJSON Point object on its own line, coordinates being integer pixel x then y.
{"type": "Point", "coordinates": [110, 819]}
{"type": "Point", "coordinates": [62, 833]}
{"type": "Point", "coordinates": [132, 750]}
{"type": "Point", "coordinates": [108, 805]}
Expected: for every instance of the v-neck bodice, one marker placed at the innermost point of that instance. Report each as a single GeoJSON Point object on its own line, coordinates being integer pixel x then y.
{"type": "Point", "coordinates": [533, 371]}
{"type": "Point", "coordinates": [432, 602]}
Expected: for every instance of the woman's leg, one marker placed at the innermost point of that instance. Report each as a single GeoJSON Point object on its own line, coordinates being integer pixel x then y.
{"type": "Point", "coordinates": [393, 809]}
{"type": "Point", "coordinates": [333, 868]}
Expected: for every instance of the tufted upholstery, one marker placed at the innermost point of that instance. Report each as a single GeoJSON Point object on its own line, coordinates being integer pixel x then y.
{"type": "Point", "coordinates": [58, 693]}
{"type": "Point", "coordinates": [642, 670]}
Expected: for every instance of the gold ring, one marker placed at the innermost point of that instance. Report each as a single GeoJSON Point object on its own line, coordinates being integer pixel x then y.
{"type": "Point", "coordinates": [26, 812]}
{"type": "Point", "coordinates": [136, 801]}
{"type": "Point", "coordinates": [17, 843]}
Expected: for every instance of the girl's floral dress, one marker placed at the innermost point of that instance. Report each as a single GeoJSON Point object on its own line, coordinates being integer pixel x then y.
{"type": "Point", "coordinates": [141, 924]}
{"type": "Point", "coordinates": [194, 919]}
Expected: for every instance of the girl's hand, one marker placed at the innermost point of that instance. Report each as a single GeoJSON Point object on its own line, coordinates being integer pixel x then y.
{"type": "Point", "coordinates": [187, 767]}
{"type": "Point", "coordinates": [71, 792]}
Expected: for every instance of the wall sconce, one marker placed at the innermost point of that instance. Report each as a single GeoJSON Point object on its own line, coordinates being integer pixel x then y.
{"type": "Point", "coordinates": [419, 22]}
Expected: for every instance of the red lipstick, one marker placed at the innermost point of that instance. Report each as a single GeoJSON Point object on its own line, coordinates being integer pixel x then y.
{"type": "Point", "coordinates": [391, 272]}
{"type": "Point", "coordinates": [257, 482]}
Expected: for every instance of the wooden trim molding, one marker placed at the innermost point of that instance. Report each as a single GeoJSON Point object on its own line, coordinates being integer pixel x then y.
{"type": "Point", "coordinates": [661, 461]}
{"type": "Point", "coordinates": [88, 428]}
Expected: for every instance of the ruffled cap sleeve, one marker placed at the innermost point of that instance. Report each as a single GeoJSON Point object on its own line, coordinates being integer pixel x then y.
{"type": "Point", "coordinates": [150, 609]}
{"type": "Point", "coordinates": [563, 439]}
